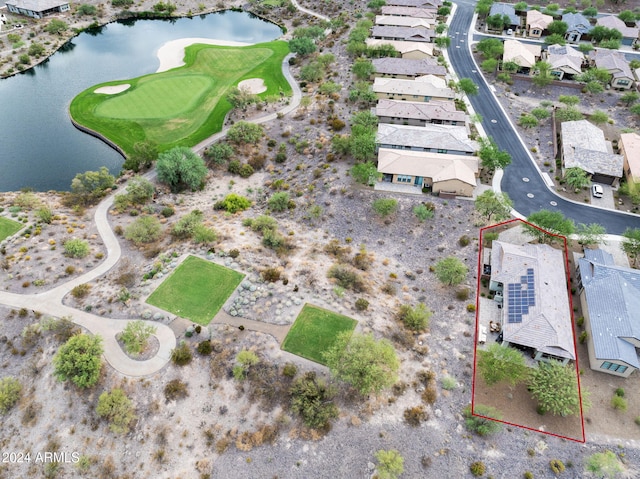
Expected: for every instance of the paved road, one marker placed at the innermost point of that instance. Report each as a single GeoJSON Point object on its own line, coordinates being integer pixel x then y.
{"type": "Point", "coordinates": [532, 195]}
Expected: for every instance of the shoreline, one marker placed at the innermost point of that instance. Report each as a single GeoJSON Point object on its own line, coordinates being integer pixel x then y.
{"type": "Point", "coordinates": [171, 54]}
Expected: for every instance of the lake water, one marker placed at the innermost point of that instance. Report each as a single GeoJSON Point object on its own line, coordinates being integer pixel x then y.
{"type": "Point", "coordinates": [39, 147]}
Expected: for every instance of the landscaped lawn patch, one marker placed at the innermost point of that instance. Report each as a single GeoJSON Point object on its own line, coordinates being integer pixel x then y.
{"type": "Point", "coordinates": [196, 290]}
{"type": "Point", "coordinates": [184, 105]}
{"type": "Point", "coordinates": [9, 227]}
{"type": "Point", "coordinates": [314, 331]}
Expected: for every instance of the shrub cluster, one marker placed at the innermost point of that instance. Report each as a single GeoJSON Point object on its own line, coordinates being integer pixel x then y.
{"type": "Point", "coordinates": [346, 277]}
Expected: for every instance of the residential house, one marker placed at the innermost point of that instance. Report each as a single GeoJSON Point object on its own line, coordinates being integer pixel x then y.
{"type": "Point", "coordinates": [418, 34]}
{"type": "Point", "coordinates": [615, 63]}
{"type": "Point", "coordinates": [390, 20]}
{"type": "Point", "coordinates": [438, 112]}
{"type": "Point", "coordinates": [454, 174]}
{"type": "Point", "coordinates": [584, 146]}
{"type": "Point", "coordinates": [577, 25]}
{"type": "Point", "coordinates": [629, 34]}
{"type": "Point", "coordinates": [447, 139]}
{"type": "Point", "coordinates": [37, 8]}
{"type": "Point", "coordinates": [428, 13]}
{"type": "Point", "coordinates": [610, 298]}
{"type": "Point", "coordinates": [506, 9]}
{"type": "Point", "coordinates": [530, 284]}
{"type": "Point", "coordinates": [565, 61]}
{"type": "Point", "coordinates": [537, 22]}
{"type": "Point", "coordinates": [629, 145]}
{"type": "Point", "coordinates": [423, 88]}
{"type": "Point", "coordinates": [415, 3]}
{"type": "Point", "coordinates": [410, 50]}
{"type": "Point", "coordinates": [406, 68]}
{"type": "Point", "coordinates": [522, 54]}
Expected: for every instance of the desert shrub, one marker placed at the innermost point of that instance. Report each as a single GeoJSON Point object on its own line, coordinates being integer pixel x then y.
{"type": "Point", "coordinates": [471, 307]}
{"type": "Point", "coordinates": [415, 319]}
{"type": "Point", "coordinates": [79, 360]}
{"type": "Point", "coordinates": [261, 223]}
{"type": "Point", "coordinates": [335, 249]}
{"type": "Point", "coordinates": [234, 167]}
{"type": "Point", "coordinates": [312, 400]}
{"type": "Point", "coordinates": [583, 337]}
{"type": "Point", "coordinates": [279, 201]}
{"type": "Point", "coordinates": [388, 288]}
{"type": "Point", "coordinates": [175, 389]}
{"type": "Point", "coordinates": [270, 275]}
{"type": "Point", "coordinates": [10, 391]}
{"type": "Point", "coordinates": [167, 211]}
{"type": "Point", "coordinates": [448, 383]}
{"type": "Point", "coordinates": [290, 370]}
{"type": "Point", "coordinates": [480, 425]}
{"type": "Point", "coordinates": [244, 359]}
{"type": "Point", "coordinates": [362, 304]}
{"type": "Point", "coordinates": [462, 294]}
{"type": "Point", "coordinates": [346, 277]}
{"type": "Point", "coordinates": [257, 162]}
{"type": "Point", "coordinates": [146, 229]}
{"type": "Point", "coordinates": [619, 392]}
{"type": "Point", "coordinates": [186, 225]}
{"type": "Point", "coordinates": [619, 403]}
{"type": "Point", "coordinates": [117, 408]}
{"type": "Point", "coordinates": [246, 170]}
{"type": "Point", "coordinates": [414, 416]}
{"type": "Point", "coordinates": [76, 248]}
{"type": "Point", "coordinates": [182, 354]}
{"type": "Point", "coordinates": [362, 260]}
{"type": "Point", "coordinates": [62, 328]}
{"type": "Point", "coordinates": [422, 212]}
{"type": "Point", "coordinates": [430, 394]}
{"type": "Point", "coordinates": [234, 253]}
{"type": "Point", "coordinates": [390, 464]}
{"type": "Point", "coordinates": [204, 234]}
{"type": "Point", "coordinates": [464, 240]}
{"type": "Point", "coordinates": [580, 321]}
{"type": "Point", "coordinates": [528, 475]}
{"type": "Point", "coordinates": [204, 348]}
{"type": "Point", "coordinates": [385, 206]}
{"type": "Point", "coordinates": [45, 214]}
{"type": "Point", "coordinates": [232, 203]}
{"type": "Point", "coordinates": [135, 336]}
{"type": "Point", "coordinates": [81, 290]}
{"type": "Point", "coordinates": [478, 468]}
{"type": "Point", "coordinates": [556, 465]}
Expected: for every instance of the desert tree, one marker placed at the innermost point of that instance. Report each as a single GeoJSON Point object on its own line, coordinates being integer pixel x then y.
{"type": "Point", "coordinates": [116, 408]}
{"type": "Point", "coordinates": [604, 465]}
{"type": "Point", "coordinates": [590, 234]}
{"type": "Point", "coordinates": [555, 387]}
{"type": "Point", "coordinates": [577, 178]}
{"type": "Point", "coordinates": [181, 168]}
{"type": "Point", "coordinates": [369, 365]}
{"type": "Point", "coordinates": [390, 464]}
{"type": "Point", "coordinates": [491, 156]}
{"type": "Point", "coordinates": [499, 363]}
{"type": "Point", "coordinates": [450, 271]}
{"type": "Point", "coordinates": [494, 205]}
{"type": "Point", "coordinates": [552, 221]}
{"type": "Point", "coordinates": [631, 243]}
{"type": "Point", "coordinates": [79, 360]}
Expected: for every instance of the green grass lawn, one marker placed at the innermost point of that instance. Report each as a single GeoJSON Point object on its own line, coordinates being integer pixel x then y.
{"type": "Point", "coordinates": [196, 290]}
{"type": "Point", "coordinates": [8, 227]}
{"type": "Point", "coordinates": [314, 331]}
{"type": "Point", "coordinates": [185, 105]}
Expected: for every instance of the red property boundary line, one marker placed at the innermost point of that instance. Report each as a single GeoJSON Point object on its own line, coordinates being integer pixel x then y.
{"type": "Point", "coordinates": [573, 330]}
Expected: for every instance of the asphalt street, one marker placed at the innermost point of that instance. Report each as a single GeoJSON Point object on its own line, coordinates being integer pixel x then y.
{"type": "Point", "coordinates": [522, 180]}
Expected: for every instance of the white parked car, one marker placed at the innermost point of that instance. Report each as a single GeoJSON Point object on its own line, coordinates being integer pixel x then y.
{"type": "Point", "coordinates": [597, 191]}
{"type": "Point", "coordinates": [510, 32]}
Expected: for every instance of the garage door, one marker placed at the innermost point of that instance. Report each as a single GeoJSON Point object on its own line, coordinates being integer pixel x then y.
{"type": "Point", "coordinates": [603, 179]}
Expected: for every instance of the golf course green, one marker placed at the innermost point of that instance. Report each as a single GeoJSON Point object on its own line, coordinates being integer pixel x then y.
{"type": "Point", "coordinates": [184, 105]}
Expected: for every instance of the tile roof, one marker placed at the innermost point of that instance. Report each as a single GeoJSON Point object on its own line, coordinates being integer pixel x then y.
{"type": "Point", "coordinates": [407, 66]}
{"type": "Point", "coordinates": [611, 21]}
{"type": "Point", "coordinates": [403, 21]}
{"type": "Point", "coordinates": [584, 146]}
{"type": "Point", "coordinates": [536, 19]}
{"type": "Point", "coordinates": [425, 86]}
{"type": "Point", "coordinates": [613, 61]}
{"type": "Point", "coordinates": [402, 46]}
{"type": "Point", "coordinates": [546, 323]}
{"type": "Point", "coordinates": [443, 137]}
{"type": "Point", "coordinates": [612, 294]}
{"type": "Point", "coordinates": [576, 22]}
{"type": "Point", "coordinates": [415, 3]}
{"type": "Point", "coordinates": [565, 56]}
{"type": "Point", "coordinates": [523, 54]}
{"type": "Point", "coordinates": [415, 12]}
{"type": "Point", "coordinates": [36, 5]}
{"type": "Point", "coordinates": [439, 167]}
{"type": "Point", "coordinates": [505, 9]}
{"type": "Point", "coordinates": [444, 110]}
{"type": "Point", "coordinates": [418, 34]}
{"type": "Point", "coordinates": [630, 143]}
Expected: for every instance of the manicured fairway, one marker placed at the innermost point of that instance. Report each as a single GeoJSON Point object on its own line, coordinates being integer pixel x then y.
{"type": "Point", "coordinates": [9, 227]}
{"type": "Point", "coordinates": [314, 331]}
{"type": "Point", "coordinates": [196, 290]}
{"type": "Point", "coordinates": [185, 105]}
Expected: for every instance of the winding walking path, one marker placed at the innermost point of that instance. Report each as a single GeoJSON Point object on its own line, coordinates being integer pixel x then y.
{"type": "Point", "coordinates": [51, 302]}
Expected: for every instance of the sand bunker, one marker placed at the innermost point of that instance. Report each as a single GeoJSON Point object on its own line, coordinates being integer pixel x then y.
{"type": "Point", "coordinates": [171, 54]}
{"type": "Point", "coordinates": [254, 85]}
{"type": "Point", "coordinates": [112, 90]}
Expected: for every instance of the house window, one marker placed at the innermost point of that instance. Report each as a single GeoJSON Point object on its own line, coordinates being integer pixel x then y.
{"type": "Point", "coordinates": [535, 31]}
{"type": "Point", "coordinates": [619, 368]}
{"type": "Point", "coordinates": [404, 178]}
{"type": "Point", "coordinates": [622, 82]}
